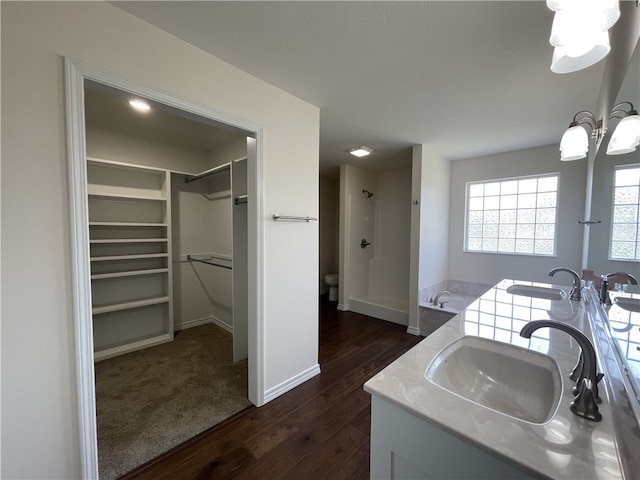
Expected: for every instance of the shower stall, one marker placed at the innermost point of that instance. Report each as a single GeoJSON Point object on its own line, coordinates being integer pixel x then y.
{"type": "Point", "coordinates": [375, 236]}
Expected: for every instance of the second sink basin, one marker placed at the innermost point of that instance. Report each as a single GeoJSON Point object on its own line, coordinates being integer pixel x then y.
{"type": "Point", "coordinates": [537, 292]}
{"type": "Point", "coordinates": [512, 380]}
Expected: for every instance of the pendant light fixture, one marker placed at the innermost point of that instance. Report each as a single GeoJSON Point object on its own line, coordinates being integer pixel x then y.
{"type": "Point", "coordinates": [580, 32]}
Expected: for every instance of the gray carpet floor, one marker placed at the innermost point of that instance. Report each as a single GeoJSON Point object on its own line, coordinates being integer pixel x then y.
{"type": "Point", "coordinates": [151, 400]}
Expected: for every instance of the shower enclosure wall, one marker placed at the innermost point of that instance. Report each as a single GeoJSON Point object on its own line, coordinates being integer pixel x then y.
{"type": "Point", "coordinates": [375, 213]}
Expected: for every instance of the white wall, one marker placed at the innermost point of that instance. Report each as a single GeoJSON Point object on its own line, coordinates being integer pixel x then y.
{"type": "Point", "coordinates": [389, 269]}
{"type": "Point", "coordinates": [201, 227]}
{"type": "Point", "coordinates": [353, 260]}
{"type": "Point", "coordinates": [121, 147]}
{"type": "Point", "coordinates": [328, 225]}
{"type": "Point", "coordinates": [382, 268]}
{"type": "Point", "coordinates": [231, 150]}
{"type": "Point", "coordinates": [429, 224]}
{"type": "Point", "coordinates": [490, 268]}
{"type": "Point", "coordinates": [39, 398]}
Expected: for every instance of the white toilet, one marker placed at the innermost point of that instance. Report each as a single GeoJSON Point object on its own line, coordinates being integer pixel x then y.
{"type": "Point", "coordinates": [332, 281]}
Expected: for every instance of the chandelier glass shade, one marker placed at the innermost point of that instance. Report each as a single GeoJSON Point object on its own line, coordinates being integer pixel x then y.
{"type": "Point", "coordinates": [580, 32]}
{"type": "Point", "coordinates": [574, 144]}
{"type": "Point", "coordinates": [626, 136]}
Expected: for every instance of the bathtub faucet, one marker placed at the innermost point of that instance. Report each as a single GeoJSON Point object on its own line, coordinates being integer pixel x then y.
{"type": "Point", "coordinates": [436, 300]}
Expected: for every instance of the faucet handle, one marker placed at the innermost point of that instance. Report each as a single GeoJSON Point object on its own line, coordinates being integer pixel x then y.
{"type": "Point", "coordinates": [576, 375]}
{"type": "Point", "coordinates": [577, 370]}
{"type": "Point", "coordinates": [584, 405]}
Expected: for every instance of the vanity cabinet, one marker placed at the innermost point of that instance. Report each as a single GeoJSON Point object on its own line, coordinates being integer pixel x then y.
{"type": "Point", "coordinates": [130, 254]}
{"type": "Point", "coordinates": [404, 446]}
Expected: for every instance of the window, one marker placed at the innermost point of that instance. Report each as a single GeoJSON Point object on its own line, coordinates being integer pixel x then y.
{"type": "Point", "coordinates": [625, 232]}
{"type": "Point", "coordinates": [512, 215]}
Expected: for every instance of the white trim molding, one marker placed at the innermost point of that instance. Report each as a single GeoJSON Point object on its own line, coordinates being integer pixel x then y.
{"type": "Point", "coordinates": [196, 322]}
{"type": "Point", "coordinates": [292, 383]}
{"type": "Point", "coordinates": [81, 275]}
{"type": "Point", "coordinates": [413, 330]}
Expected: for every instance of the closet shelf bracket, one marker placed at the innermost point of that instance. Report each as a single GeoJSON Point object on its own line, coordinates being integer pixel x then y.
{"type": "Point", "coordinates": [240, 199]}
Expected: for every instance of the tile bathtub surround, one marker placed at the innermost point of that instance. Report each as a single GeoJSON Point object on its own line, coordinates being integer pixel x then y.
{"type": "Point", "coordinates": [565, 447]}
{"type": "Point", "coordinates": [460, 287]}
{"type": "Point", "coordinates": [431, 291]}
{"type": "Point", "coordinates": [472, 289]}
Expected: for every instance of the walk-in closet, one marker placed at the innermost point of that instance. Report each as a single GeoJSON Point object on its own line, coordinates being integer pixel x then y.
{"type": "Point", "coordinates": [167, 208]}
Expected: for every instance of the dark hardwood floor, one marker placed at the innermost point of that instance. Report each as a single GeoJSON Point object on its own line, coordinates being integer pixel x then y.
{"type": "Point", "coordinates": [318, 430]}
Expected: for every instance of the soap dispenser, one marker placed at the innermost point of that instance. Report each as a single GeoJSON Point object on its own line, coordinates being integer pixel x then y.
{"type": "Point", "coordinates": [604, 291]}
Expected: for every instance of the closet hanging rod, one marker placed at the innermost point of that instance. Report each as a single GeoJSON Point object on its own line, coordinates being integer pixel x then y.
{"type": "Point", "coordinates": [191, 259]}
{"type": "Point", "coordinates": [290, 218]}
{"type": "Point", "coordinates": [212, 171]}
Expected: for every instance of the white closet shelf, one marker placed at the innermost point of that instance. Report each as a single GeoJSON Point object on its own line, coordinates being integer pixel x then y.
{"type": "Point", "coordinates": [129, 257]}
{"type": "Point", "coordinates": [130, 227]}
{"type": "Point", "coordinates": [124, 166]}
{"type": "Point", "coordinates": [143, 302]}
{"type": "Point", "coordinates": [126, 224]}
{"type": "Point", "coordinates": [128, 240]}
{"type": "Point", "coordinates": [126, 197]}
{"type": "Point", "coordinates": [132, 273]}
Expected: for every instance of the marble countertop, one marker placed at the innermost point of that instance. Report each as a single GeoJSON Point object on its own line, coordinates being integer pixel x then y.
{"type": "Point", "coordinates": [625, 329]}
{"type": "Point", "coordinates": [565, 447]}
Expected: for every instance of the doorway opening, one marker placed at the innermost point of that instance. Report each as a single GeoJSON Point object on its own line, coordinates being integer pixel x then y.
{"type": "Point", "coordinates": [165, 230]}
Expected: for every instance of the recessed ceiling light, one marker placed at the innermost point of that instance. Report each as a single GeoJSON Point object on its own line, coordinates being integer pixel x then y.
{"type": "Point", "coordinates": [360, 151]}
{"type": "Point", "coordinates": [140, 105]}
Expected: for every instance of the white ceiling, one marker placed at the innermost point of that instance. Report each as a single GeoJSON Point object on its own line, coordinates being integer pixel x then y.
{"type": "Point", "coordinates": [468, 78]}
{"type": "Point", "coordinates": [107, 107]}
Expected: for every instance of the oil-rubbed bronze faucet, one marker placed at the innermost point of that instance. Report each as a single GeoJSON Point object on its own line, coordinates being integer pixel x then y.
{"type": "Point", "coordinates": [574, 294]}
{"type": "Point", "coordinates": [584, 405]}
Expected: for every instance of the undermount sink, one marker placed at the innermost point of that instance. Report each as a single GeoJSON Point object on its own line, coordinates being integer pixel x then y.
{"type": "Point", "coordinates": [630, 304]}
{"type": "Point", "coordinates": [537, 292]}
{"type": "Point", "coordinates": [512, 380]}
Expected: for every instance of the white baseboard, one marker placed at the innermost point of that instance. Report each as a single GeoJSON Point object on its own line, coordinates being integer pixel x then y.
{"type": "Point", "coordinates": [202, 321]}
{"type": "Point", "coordinates": [223, 325]}
{"type": "Point", "coordinates": [413, 330]}
{"type": "Point", "coordinates": [344, 308]}
{"type": "Point", "coordinates": [293, 382]}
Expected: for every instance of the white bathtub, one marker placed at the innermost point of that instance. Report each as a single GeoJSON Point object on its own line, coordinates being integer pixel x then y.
{"type": "Point", "coordinates": [385, 308]}
{"type": "Point", "coordinates": [455, 303]}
